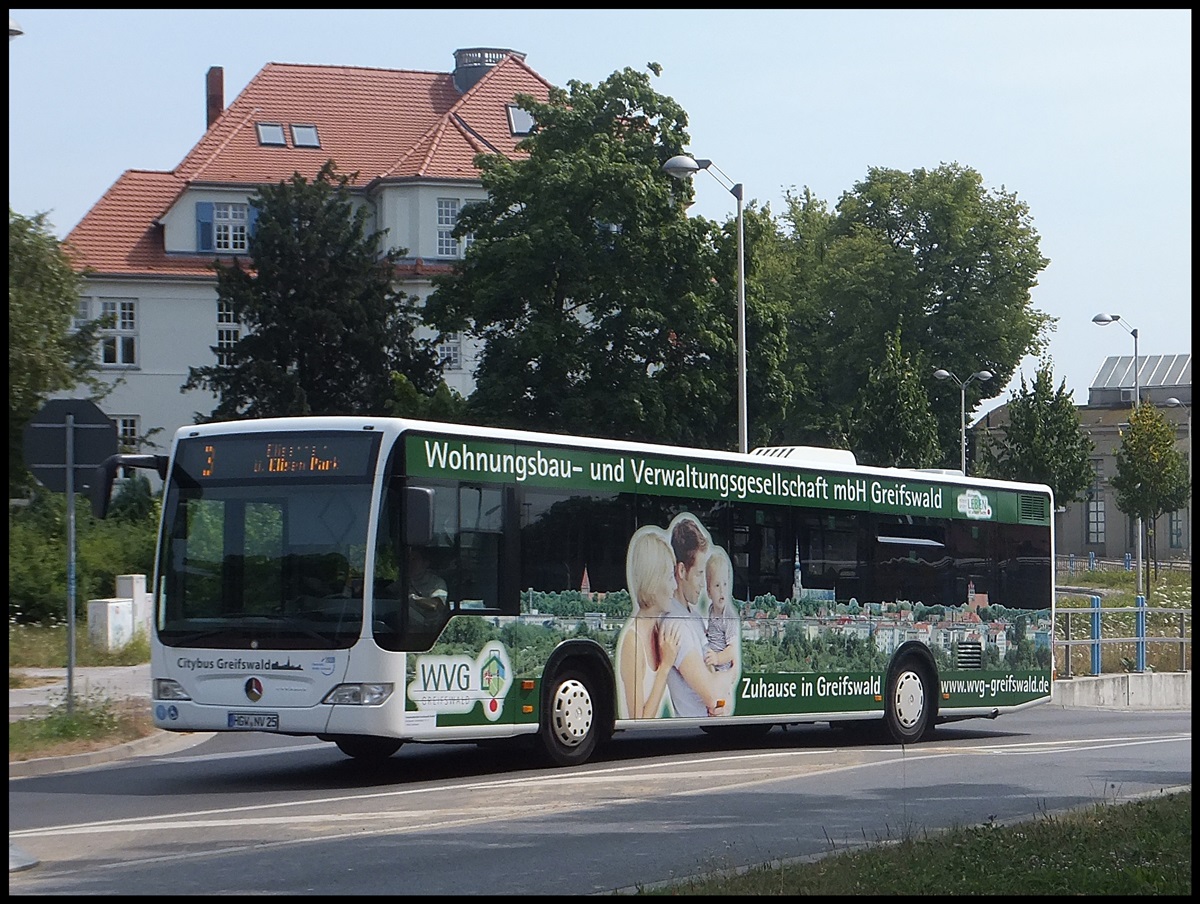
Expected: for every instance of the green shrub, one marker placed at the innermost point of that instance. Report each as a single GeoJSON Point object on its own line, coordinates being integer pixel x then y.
{"type": "Point", "coordinates": [37, 552]}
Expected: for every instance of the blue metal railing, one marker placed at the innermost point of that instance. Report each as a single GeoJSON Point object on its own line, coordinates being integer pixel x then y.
{"type": "Point", "coordinates": [1096, 639]}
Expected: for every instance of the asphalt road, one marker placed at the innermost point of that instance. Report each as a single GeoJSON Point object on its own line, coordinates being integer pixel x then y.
{"type": "Point", "coordinates": [256, 814]}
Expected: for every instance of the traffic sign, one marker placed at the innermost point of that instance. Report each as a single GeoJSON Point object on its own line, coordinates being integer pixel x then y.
{"type": "Point", "coordinates": [94, 438]}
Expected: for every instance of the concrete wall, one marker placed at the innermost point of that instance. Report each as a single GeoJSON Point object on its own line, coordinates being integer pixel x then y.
{"type": "Point", "coordinates": [1138, 690]}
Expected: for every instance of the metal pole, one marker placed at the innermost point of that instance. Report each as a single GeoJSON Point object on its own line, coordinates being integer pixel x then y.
{"type": "Point", "coordinates": [1068, 645]}
{"type": "Point", "coordinates": [743, 415]}
{"type": "Point", "coordinates": [962, 423]}
{"type": "Point", "coordinates": [1191, 485]}
{"type": "Point", "coordinates": [70, 459]}
{"type": "Point", "coordinates": [1137, 401]}
{"type": "Point", "coordinates": [1140, 634]}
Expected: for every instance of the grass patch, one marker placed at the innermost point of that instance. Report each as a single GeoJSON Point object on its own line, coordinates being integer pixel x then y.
{"type": "Point", "coordinates": [1172, 590]}
{"type": "Point", "coordinates": [45, 647]}
{"type": "Point", "coordinates": [93, 723]}
{"type": "Point", "coordinates": [20, 679]}
{"type": "Point", "coordinates": [1143, 847]}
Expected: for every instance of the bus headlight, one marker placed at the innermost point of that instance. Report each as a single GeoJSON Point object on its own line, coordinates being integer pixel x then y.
{"type": "Point", "coordinates": [360, 694]}
{"type": "Point", "coordinates": [169, 689]}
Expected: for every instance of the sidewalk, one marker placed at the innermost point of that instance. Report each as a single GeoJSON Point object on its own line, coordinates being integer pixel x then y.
{"type": "Point", "coordinates": [112, 682]}
{"type": "Point", "coordinates": [109, 682]}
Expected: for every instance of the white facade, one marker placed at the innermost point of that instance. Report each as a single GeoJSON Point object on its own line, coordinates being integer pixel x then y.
{"type": "Point", "coordinates": [411, 136]}
{"type": "Point", "coordinates": [176, 319]}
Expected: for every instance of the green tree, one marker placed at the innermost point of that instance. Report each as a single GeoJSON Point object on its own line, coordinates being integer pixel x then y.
{"type": "Point", "coordinates": [323, 328]}
{"type": "Point", "coordinates": [1151, 477]}
{"type": "Point", "coordinates": [445, 404]}
{"type": "Point", "coordinates": [603, 308]}
{"type": "Point", "coordinates": [135, 500]}
{"type": "Point", "coordinates": [1042, 442]}
{"type": "Point", "coordinates": [931, 252]}
{"type": "Point", "coordinates": [37, 552]}
{"type": "Point", "coordinates": [894, 426]}
{"type": "Point", "coordinates": [773, 377]}
{"type": "Point", "coordinates": [789, 270]}
{"type": "Point", "coordinates": [46, 354]}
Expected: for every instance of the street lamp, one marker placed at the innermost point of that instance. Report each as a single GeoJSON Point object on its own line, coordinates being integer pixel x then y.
{"type": "Point", "coordinates": [682, 166]}
{"type": "Point", "coordinates": [1105, 320]}
{"type": "Point", "coordinates": [1175, 403]}
{"type": "Point", "coordinates": [982, 376]}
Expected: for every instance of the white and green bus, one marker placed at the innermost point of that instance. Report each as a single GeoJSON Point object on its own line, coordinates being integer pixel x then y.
{"type": "Point", "coordinates": [580, 587]}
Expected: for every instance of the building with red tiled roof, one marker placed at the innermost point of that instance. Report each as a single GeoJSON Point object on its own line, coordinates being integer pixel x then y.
{"type": "Point", "coordinates": [147, 246]}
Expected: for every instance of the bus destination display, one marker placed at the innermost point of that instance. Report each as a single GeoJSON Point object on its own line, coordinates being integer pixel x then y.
{"type": "Point", "coordinates": [266, 456]}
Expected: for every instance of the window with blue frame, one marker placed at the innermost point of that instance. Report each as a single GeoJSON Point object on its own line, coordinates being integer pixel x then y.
{"type": "Point", "coordinates": [224, 227]}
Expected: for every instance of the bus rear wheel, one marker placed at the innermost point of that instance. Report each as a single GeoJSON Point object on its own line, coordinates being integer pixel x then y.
{"type": "Point", "coordinates": [368, 749]}
{"type": "Point", "coordinates": [909, 704]}
{"type": "Point", "coordinates": [570, 723]}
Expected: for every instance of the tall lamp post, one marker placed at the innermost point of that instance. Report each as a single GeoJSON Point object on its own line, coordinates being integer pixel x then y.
{"type": "Point", "coordinates": [682, 166]}
{"type": "Point", "coordinates": [982, 376]}
{"type": "Point", "coordinates": [1105, 320]}
{"type": "Point", "coordinates": [1175, 403]}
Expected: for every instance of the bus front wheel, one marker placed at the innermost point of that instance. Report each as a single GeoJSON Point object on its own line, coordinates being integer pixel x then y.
{"type": "Point", "coordinates": [368, 749]}
{"type": "Point", "coordinates": [908, 710]}
{"type": "Point", "coordinates": [570, 723]}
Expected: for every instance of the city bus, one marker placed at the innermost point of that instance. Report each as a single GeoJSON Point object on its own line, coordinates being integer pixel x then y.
{"type": "Point", "coordinates": [574, 587]}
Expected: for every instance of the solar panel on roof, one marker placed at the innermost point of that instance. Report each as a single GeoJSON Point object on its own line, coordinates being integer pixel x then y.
{"type": "Point", "coordinates": [1156, 370]}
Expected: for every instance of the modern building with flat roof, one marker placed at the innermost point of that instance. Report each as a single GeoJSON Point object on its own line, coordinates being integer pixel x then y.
{"type": "Point", "coordinates": [1095, 525]}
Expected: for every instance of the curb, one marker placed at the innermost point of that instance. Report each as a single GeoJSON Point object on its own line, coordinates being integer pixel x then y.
{"type": "Point", "coordinates": [159, 742]}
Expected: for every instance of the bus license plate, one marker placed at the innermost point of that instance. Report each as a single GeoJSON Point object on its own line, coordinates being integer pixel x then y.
{"type": "Point", "coordinates": [254, 721]}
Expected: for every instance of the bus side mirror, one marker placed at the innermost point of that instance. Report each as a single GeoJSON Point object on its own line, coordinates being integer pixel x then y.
{"type": "Point", "coordinates": [418, 516]}
{"type": "Point", "coordinates": [101, 486]}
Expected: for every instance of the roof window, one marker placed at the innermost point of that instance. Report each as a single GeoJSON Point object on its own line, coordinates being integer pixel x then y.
{"type": "Point", "coordinates": [305, 136]}
{"type": "Point", "coordinates": [519, 121]}
{"type": "Point", "coordinates": [270, 133]}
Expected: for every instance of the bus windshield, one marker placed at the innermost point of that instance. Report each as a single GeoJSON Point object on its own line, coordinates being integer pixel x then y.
{"type": "Point", "coordinates": [265, 541]}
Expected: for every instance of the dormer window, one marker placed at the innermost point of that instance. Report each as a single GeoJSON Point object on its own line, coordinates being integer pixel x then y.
{"type": "Point", "coordinates": [270, 133]}
{"type": "Point", "coordinates": [224, 227]}
{"type": "Point", "coordinates": [305, 136]}
{"type": "Point", "coordinates": [520, 122]}
{"type": "Point", "coordinates": [231, 226]}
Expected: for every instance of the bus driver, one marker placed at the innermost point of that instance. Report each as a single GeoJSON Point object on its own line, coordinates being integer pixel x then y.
{"type": "Point", "coordinates": [427, 595]}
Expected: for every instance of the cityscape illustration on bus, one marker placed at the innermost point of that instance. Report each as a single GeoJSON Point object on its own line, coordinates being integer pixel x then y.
{"type": "Point", "coordinates": [372, 581]}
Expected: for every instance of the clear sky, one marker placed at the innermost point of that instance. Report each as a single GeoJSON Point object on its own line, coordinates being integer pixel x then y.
{"type": "Point", "coordinates": [1085, 115]}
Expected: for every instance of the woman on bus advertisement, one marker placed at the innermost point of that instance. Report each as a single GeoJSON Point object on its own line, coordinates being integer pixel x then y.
{"type": "Point", "coordinates": [646, 648]}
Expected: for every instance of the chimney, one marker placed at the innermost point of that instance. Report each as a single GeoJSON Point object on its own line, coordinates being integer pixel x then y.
{"type": "Point", "coordinates": [215, 94]}
{"type": "Point", "coordinates": [471, 65]}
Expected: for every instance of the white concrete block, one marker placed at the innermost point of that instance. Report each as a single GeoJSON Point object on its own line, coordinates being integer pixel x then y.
{"type": "Point", "coordinates": [133, 587]}
{"type": "Point", "coordinates": [110, 623]}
